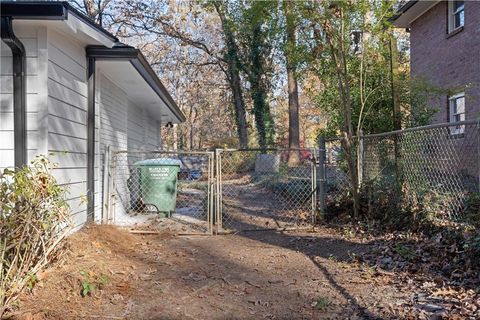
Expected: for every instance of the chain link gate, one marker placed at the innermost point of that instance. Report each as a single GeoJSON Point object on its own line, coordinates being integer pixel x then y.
{"type": "Point", "coordinates": [259, 190]}
{"type": "Point", "coordinates": [225, 191]}
{"type": "Point", "coordinates": [177, 185]}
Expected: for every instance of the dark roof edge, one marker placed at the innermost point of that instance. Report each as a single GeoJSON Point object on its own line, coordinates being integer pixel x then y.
{"type": "Point", "coordinates": [403, 9]}
{"type": "Point", "coordinates": [47, 10]}
{"type": "Point", "coordinates": [119, 51]}
{"type": "Point", "coordinates": [140, 63]}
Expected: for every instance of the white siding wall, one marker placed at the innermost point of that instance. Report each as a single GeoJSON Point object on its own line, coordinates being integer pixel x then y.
{"type": "Point", "coordinates": [98, 154]}
{"type": "Point", "coordinates": [33, 40]}
{"type": "Point", "coordinates": [57, 114]}
{"type": "Point", "coordinates": [67, 118]}
{"type": "Point", "coordinates": [113, 105]}
{"type": "Point", "coordinates": [113, 115]}
{"type": "Point", "coordinates": [152, 134]}
{"type": "Point", "coordinates": [143, 130]}
{"type": "Point", "coordinates": [123, 126]}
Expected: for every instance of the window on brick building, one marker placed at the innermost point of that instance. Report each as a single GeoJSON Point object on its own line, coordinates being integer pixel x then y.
{"type": "Point", "coordinates": [456, 106]}
{"type": "Point", "coordinates": [456, 15]}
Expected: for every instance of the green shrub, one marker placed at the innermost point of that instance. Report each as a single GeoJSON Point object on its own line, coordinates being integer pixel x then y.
{"type": "Point", "coordinates": [34, 218]}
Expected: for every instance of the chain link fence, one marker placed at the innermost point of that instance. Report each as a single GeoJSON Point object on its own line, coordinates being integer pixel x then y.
{"type": "Point", "coordinates": [176, 185]}
{"type": "Point", "coordinates": [337, 181]}
{"type": "Point", "coordinates": [261, 190]}
{"type": "Point", "coordinates": [432, 170]}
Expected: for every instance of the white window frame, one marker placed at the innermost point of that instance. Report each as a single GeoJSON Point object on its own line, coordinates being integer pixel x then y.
{"type": "Point", "coordinates": [452, 14]}
{"type": "Point", "coordinates": [456, 116]}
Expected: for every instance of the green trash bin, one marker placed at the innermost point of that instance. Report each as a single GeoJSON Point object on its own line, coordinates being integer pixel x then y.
{"type": "Point", "coordinates": [158, 183]}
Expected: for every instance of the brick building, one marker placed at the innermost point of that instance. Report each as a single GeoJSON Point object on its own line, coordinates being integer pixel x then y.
{"type": "Point", "coordinates": [445, 48]}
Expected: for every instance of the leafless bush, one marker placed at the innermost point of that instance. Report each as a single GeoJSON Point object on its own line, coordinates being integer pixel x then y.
{"type": "Point", "coordinates": [34, 218]}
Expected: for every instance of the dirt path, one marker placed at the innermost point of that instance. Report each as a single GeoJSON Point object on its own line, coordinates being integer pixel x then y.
{"type": "Point", "coordinates": [257, 275]}
{"type": "Point", "coordinates": [250, 206]}
{"type": "Point", "coordinates": [325, 274]}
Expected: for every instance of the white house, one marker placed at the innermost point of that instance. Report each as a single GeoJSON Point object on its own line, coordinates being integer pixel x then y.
{"type": "Point", "coordinates": [71, 88]}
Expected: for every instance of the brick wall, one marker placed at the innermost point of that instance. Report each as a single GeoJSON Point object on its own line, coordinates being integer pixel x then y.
{"type": "Point", "coordinates": [448, 61]}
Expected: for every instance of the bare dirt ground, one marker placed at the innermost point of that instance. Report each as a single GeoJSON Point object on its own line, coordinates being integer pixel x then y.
{"type": "Point", "coordinates": [248, 206]}
{"type": "Point", "coordinates": [328, 273]}
{"type": "Point", "coordinates": [249, 276]}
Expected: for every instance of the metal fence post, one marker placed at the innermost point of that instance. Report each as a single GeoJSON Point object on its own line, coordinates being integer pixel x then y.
{"type": "Point", "coordinates": [218, 198]}
{"type": "Point", "coordinates": [213, 191]}
{"type": "Point", "coordinates": [106, 186]}
{"type": "Point", "coordinates": [360, 159]}
{"type": "Point", "coordinates": [313, 177]}
{"type": "Point", "coordinates": [111, 188]}
{"type": "Point", "coordinates": [321, 177]}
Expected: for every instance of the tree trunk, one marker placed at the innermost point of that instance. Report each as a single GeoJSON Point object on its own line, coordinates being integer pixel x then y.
{"type": "Point", "coordinates": [293, 103]}
{"type": "Point", "coordinates": [293, 119]}
{"type": "Point", "coordinates": [96, 10]}
{"type": "Point", "coordinates": [261, 108]}
{"type": "Point", "coordinates": [233, 75]}
{"type": "Point", "coordinates": [338, 54]}
{"type": "Point", "coordinates": [191, 120]}
{"type": "Point", "coordinates": [239, 105]}
{"type": "Point", "coordinates": [175, 137]}
{"type": "Point", "coordinates": [397, 119]}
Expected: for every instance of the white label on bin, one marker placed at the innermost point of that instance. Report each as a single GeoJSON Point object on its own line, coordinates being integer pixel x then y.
{"type": "Point", "coordinates": [159, 172]}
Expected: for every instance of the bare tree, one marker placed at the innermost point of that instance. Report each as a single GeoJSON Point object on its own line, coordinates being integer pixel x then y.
{"type": "Point", "coordinates": [221, 52]}
{"type": "Point", "coordinates": [95, 9]}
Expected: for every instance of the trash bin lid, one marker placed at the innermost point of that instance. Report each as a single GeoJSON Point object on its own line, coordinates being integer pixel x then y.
{"type": "Point", "coordinates": [159, 162]}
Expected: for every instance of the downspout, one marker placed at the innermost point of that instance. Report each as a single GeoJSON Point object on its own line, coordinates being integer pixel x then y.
{"type": "Point", "coordinates": [19, 91]}
{"type": "Point", "coordinates": [91, 139]}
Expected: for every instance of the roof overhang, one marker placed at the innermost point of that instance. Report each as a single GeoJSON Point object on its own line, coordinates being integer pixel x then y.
{"type": "Point", "coordinates": [129, 69]}
{"type": "Point", "coordinates": [52, 11]}
{"type": "Point", "coordinates": [125, 64]}
{"type": "Point", "coordinates": [410, 11]}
